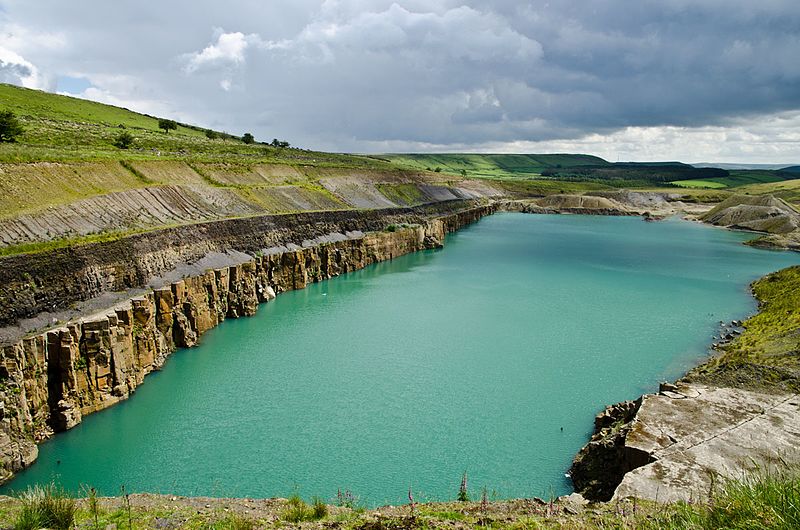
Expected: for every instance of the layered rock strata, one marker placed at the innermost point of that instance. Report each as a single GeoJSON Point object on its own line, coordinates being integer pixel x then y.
{"type": "Point", "coordinates": [49, 381]}
{"type": "Point", "coordinates": [52, 280]}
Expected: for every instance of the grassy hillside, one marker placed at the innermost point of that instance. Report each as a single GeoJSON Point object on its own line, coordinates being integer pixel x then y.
{"type": "Point", "coordinates": [65, 179]}
{"type": "Point", "coordinates": [737, 178]}
{"type": "Point", "coordinates": [491, 165]}
{"type": "Point", "coordinates": [63, 128]}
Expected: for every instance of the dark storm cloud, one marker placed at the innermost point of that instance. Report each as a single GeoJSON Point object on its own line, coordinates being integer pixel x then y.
{"type": "Point", "coordinates": [353, 74]}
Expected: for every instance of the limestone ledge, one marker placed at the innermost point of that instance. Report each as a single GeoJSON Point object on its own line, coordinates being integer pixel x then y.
{"type": "Point", "coordinates": [50, 381]}
{"type": "Point", "coordinates": [680, 443]}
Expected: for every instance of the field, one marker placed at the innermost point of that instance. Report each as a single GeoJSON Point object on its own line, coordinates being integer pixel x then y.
{"type": "Point", "coordinates": [737, 178]}
{"type": "Point", "coordinates": [491, 165]}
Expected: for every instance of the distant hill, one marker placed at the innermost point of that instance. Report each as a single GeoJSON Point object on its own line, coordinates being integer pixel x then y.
{"type": "Point", "coordinates": [791, 169]}
{"type": "Point", "coordinates": [722, 165]}
{"type": "Point", "coordinates": [492, 165]}
{"type": "Point", "coordinates": [654, 164]}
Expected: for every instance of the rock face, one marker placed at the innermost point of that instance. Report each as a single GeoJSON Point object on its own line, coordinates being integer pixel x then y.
{"type": "Point", "coordinates": [49, 381]}
{"type": "Point", "coordinates": [52, 280]}
{"type": "Point", "coordinates": [600, 465]}
{"type": "Point", "coordinates": [684, 440]}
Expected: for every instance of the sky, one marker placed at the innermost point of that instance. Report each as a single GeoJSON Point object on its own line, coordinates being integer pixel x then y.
{"type": "Point", "coordinates": [690, 80]}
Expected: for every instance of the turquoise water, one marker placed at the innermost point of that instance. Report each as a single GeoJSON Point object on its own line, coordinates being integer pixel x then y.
{"type": "Point", "coordinates": [409, 372]}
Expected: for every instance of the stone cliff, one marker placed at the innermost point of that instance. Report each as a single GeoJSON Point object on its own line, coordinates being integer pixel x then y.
{"type": "Point", "coordinates": [50, 380]}
{"type": "Point", "coordinates": [52, 280]}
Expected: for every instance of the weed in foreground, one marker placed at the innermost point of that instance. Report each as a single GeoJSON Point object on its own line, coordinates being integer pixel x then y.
{"type": "Point", "coordinates": [298, 511]}
{"type": "Point", "coordinates": [763, 499]}
{"type": "Point", "coordinates": [46, 507]}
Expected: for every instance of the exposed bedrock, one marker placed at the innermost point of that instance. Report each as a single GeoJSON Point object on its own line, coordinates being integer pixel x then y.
{"type": "Point", "coordinates": [684, 441]}
{"type": "Point", "coordinates": [51, 380]}
{"type": "Point", "coordinates": [52, 280]}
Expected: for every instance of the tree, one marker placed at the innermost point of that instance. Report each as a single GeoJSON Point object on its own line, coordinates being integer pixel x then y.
{"type": "Point", "coordinates": [211, 135]}
{"type": "Point", "coordinates": [123, 140]}
{"type": "Point", "coordinates": [10, 126]}
{"type": "Point", "coordinates": [167, 125]}
{"type": "Point", "coordinates": [248, 138]}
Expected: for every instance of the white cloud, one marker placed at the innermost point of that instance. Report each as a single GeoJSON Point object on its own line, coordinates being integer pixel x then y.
{"type": "Point", "coordinates": [229, 49]}
{"type": "Point", "coordinates": [16, 70]}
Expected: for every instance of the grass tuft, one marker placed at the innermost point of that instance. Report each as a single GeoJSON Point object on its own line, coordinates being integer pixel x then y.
{"type": "Point", "coordinates": [298, 511]}
{"type": "Point", "coordinates": [46, 507]}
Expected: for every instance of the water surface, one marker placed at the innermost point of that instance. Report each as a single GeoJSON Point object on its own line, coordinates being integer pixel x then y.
{"type": "Point", "coordinates": [407, 373]}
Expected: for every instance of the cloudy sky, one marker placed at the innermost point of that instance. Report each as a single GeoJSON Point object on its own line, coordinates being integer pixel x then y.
{"type": "Point", "coordinates": [695, 80]}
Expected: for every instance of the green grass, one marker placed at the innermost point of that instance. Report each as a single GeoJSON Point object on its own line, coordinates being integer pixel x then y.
{"type": "Point", "coordinates": [298, 511]}
{"type": "Point", "coordinates": [764, 356]}
{"type": "Point", "coordinates": [45, 507]}
{"type": "Point", "coordinates": [788, 190]}
{"type": "Point", "coordinates": [708, 184]}
{"type": "Point", "coordinates": [491, 165]}
{"type": "Point", "coordinates": [541, 187]}
{"type": "Point", "coordinates": [765, 499]}
{"type": "Point", "coordinates": [405, 194]}
{"type": "Point", "coordinates": [63, 128]}
{"type": "Point", "coordinates": [737, 178]}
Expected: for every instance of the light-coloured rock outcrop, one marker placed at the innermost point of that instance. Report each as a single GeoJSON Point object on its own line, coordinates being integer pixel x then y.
{"type": "Point", "coordinates": [685, 440]}
{"type": "Point", "coordinates": [696, 436]}
{"type": "Point", "coordinates": [763, 213]}
{"type": "Point", "coordinates": [51, 380]}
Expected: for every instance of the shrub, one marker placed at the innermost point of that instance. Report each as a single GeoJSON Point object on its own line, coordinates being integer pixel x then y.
{"type": "Point", "coordinates": [211, 135]}
{"type": "Point", "coordinates": [248, 138]}
{"type": "Point", "coordinates": [46, 507]}
{"type": "Point", "coordinates": [123, 140]}
{"type": "Point", "coordinates": [10, 126]}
